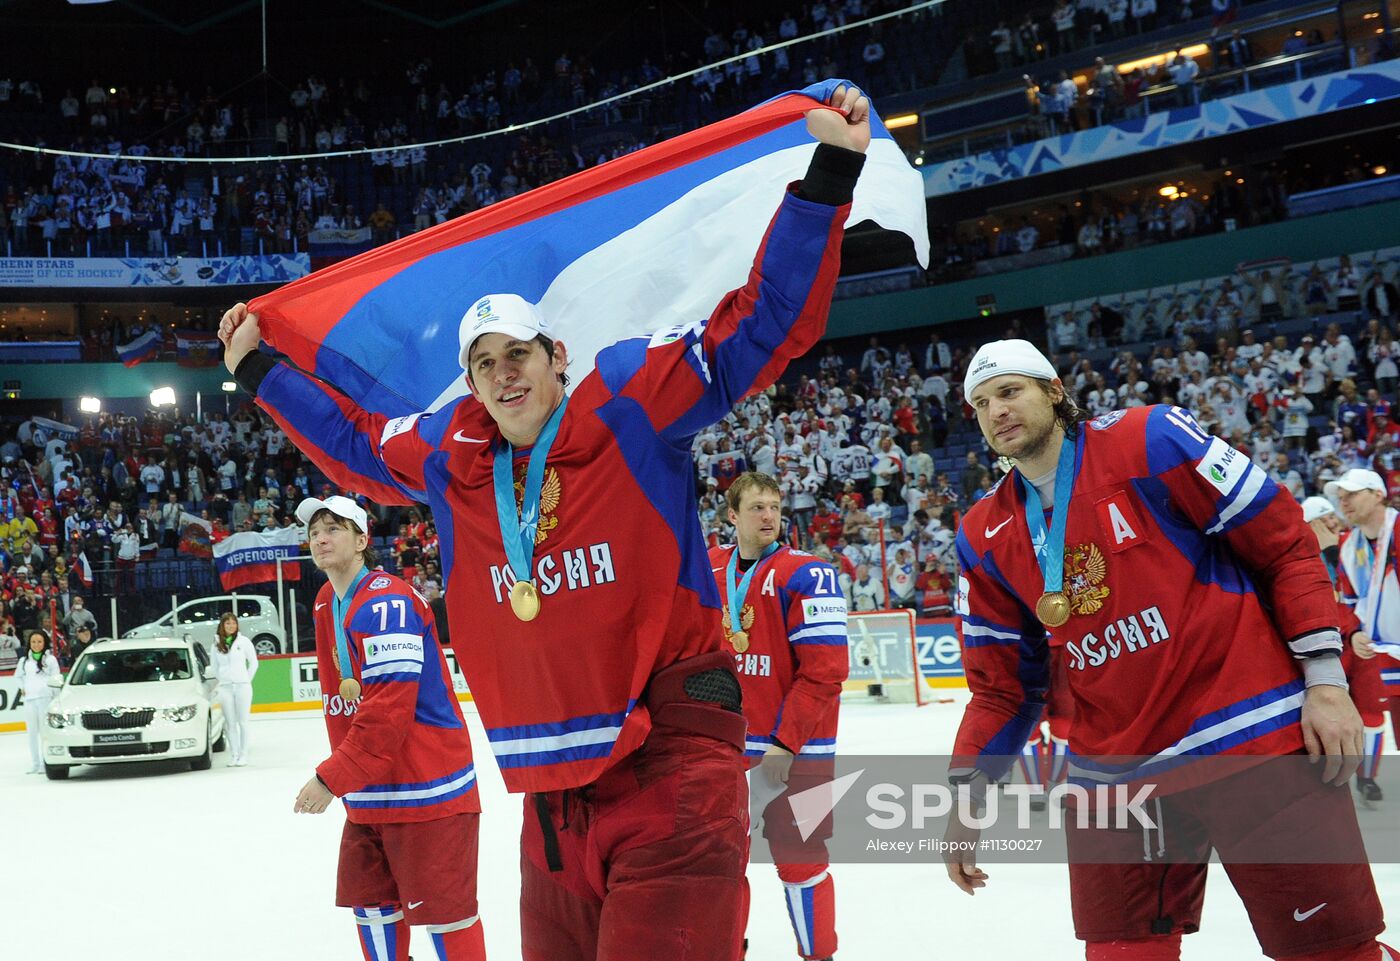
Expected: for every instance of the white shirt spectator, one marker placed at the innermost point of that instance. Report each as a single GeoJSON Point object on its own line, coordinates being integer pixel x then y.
{"type": "Point", "coordinates": [1340, 358]}
{"type": "Point", "coordinates": [867, 595]}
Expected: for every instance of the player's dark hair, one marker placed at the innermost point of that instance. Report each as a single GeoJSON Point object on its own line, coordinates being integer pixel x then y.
{"type": "Point", "coordinates": [750, 480]}
{"type": "Point", "coordinates": [1068, 414]}
{"type": "Point", "coordinates": [369, 555]}
{"type": "Point", "coordinates": [547, 343]}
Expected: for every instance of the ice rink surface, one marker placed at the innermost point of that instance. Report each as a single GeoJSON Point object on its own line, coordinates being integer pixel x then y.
{"type": "Point", "coordinates": [153, 862]}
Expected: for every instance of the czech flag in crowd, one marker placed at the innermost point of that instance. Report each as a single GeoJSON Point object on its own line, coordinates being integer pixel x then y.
{"type": "Point", "coordinates": [250, 557]}
{"type": "Point", "coordinates": [197, 348]}
{"type": "Point", "coordinates": [650, 240]}
{"type": "Point", "coordinates": [143, 348]}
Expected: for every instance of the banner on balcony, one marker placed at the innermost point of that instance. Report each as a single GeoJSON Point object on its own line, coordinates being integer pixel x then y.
{"type": "Point", "coordinates": [151, 271]}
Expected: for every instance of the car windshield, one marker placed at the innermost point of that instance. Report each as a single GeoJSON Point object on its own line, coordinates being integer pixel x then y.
{"type": "Point", "coordinates": [132, 667]}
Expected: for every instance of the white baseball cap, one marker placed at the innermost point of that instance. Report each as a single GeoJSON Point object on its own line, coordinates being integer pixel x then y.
{"type": "Point", "coordinates": [1315, 507]}
{"type": "Point", "coordinates": [508, 314]}
{"type": "Point", "coordinates": [1356, 479]}
{"type": "Point", "coordinates": [1006, 357]}
{"type": "Point", "coordinates": [337, 505]}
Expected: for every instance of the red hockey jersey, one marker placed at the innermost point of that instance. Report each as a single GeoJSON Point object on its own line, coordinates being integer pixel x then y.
{"type": "Point", "coordinates": [400, 751]}
{"type": "Point", "coordinates": [798, 655]}
{"type": "Point", "coordinates": [620, 559]}
{"type": "Point", "coordinates": [1194, 585]}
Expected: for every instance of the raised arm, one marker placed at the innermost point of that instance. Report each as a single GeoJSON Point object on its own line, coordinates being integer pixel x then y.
{"type": "Point", "coordinates": [689, 377]}
{"type": "Point", "coordinates": [359, 450]}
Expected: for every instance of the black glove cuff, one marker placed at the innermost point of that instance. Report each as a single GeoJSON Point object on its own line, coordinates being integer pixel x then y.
{"type": "Point", "coordinates": [252, 369]}
{"type": "Point", "coordinates": [831, 176]}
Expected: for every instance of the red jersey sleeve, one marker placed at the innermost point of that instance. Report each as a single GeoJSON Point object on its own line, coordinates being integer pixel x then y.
{"type": "Point", "coordinates": [1226, 495]}
{"type": "Point", "coordinates": [1006, 658]}
{"type": "Point", "coordinates": [816, 626]}
{"type": "Point", "coordinates": [378, 456]}
{"type": "Point", "coordinates": [388, 640]}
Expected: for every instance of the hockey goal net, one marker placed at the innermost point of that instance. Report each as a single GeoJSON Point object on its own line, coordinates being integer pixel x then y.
{"type": "Point", "coordinates": [884, 659]}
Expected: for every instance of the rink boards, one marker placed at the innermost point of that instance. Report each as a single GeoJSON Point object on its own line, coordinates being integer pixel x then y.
{"type": "Point", "coordinates": [289, 682]}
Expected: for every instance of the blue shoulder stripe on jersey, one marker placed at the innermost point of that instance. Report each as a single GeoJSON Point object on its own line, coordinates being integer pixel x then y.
{"type": "Point", "coordinates": [654, 466]}
{"type": "Point", "coordinates": [436, 476]}
{"type": "Point", "coordinates": [556, 742]}
{"type": "Point", "coordinates": [437, 699]}
{"type": "Point", "coordinates": [618, 363]}
{"type": "Point", "coordinates": [834, 636]}
{"type": "Point", "coordinates": [1213, 561]}
{"type": "Point", "coordinates": [1209, 735]}
{"type": "Point", "coordinates": [432, 427]}
{"type": "Point", "coordinates": [419, 794]}
{"type": "Point", "coordinates": [1172, 438]}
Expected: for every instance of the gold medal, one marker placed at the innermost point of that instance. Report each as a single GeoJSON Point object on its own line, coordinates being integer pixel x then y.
{"type": "Point", "coordinates": [1052, 609]}
{"type": "Point", "coordinates": [525, 600]}
{"type": "Point", "coordinates": [740, 641]}
{"type": "Point", "coordinates": [350, 689]}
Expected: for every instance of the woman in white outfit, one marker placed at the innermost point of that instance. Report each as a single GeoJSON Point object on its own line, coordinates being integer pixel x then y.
{"type": "Point", "coordinates": [236, 662]}
{"type": "Point", "coordinates": [35, 669]}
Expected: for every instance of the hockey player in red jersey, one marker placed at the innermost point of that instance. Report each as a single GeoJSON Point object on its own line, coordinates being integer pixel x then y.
{"type": "Point", "coordinates": [1370, 589]}
{"type": "Point", "coordinates": [583, 612]}
{"type": "Point", "coordinates": [1197, 619]}
{"type": "Point", "coordinates": [401, 758]}
{"type": "Point", "coordinates": [784, 618]}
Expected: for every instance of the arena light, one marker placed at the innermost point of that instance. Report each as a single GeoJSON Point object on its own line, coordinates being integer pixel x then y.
{"type": "Point", "coordinates": [229, 386]}
{"type": "Point", "coordinates": [1194, 51]}
{"type": "Point", "coordinates": [903, 120]}
{"type": "Point", "coordinates": [163, 397]}
{"type": "Point", "coordinates": [1169, 191]}
{"type": "Point", "coordinates": [1379, 170]}
{"type": "Point", "coordinates": [89, 405]}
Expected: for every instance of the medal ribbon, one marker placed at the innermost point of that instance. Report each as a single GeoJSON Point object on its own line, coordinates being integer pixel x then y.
{"type": "Point", "coordinates": [338, 605]}
{"type": "Point", "coordinates": [737, 592]}
{"type": "Point", "coordinates": [1050, 547]}
{"type": "Point", "coordinates": [518, 527]}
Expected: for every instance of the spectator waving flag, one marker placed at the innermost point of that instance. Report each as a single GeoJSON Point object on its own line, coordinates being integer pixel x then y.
{"type": "Point", "coordinates": [196, 535]}
{"type": "Point", "coordinates": [251, 557]}
{"type": "Point", "coordinates": [651, 240]}
{"type": "Point", "coordinates": [145, 347]}
{"type": "Point", "coordinates": [197, 348]}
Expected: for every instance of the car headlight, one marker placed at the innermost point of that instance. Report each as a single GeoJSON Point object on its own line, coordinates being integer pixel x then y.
{"type": "Point", "coordinates": [179, 713]}
{"type": "Point", "coordinates": [62, 719]}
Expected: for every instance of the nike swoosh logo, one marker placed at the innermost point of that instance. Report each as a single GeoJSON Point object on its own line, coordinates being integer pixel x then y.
{"type": "Point", "coordinates": [716, 569]}
{"type": "Point", "coordinates": [992, 531]}
{"type": "Point", "coordinates": [459, 436]}
{"type": "Point", "coordinates": [1304, 915]}
{"type": "Point", "coordinates": [413, 904]}
{"type": "Point", "coordinates": [319, 606]}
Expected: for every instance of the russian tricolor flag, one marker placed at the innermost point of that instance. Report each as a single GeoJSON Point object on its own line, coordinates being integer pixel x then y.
{"type": "Point", "coordinates": [650, 240]}
{"type": "Point", "coordinates": [145, 347]}
{"type": "Point", "coordinates": [251, 557]}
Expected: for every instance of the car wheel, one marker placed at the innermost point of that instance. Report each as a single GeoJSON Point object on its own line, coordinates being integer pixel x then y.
{"type": "Point", "coordinates": [266, 645]}
{"type": "Point", "coordinates": [221, 744]}
{"type": "Point", "coordinates": [206, 760]}
{"type": "Point", "coordinates": [56, 772]}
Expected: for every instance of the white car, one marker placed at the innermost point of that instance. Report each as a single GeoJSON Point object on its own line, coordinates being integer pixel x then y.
{"type": "Point", "coordinates": [198, 620]}
{"type": "Point", "coordinates": [134, 700]}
